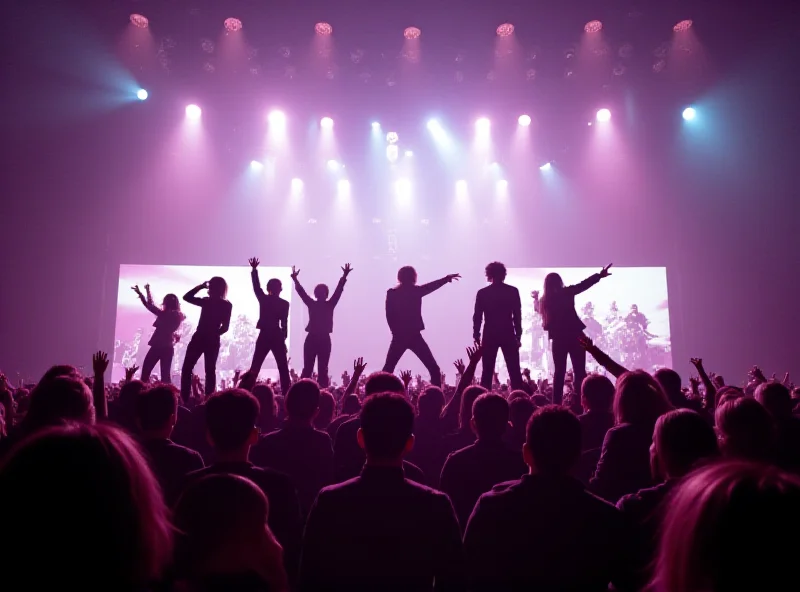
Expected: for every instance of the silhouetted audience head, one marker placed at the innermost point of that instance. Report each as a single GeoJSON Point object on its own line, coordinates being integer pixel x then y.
{"type": "Point", "coordinates": [327, 405]}
{"type": "Point", "coordinates": [171, 302]}
{"type": "Point", "coordinates": [540, 400]}
{"type": "Point", "coordinates": [383, 382]}
{"type": "Point", "coordinates": [321, 292]}
{"type": "Point", "coordinates": [222, 525]}
{"type": "Point", "coordinates": [490, 417]}
{"type": "Point", "coordinates": [82, 512]}
{"type": "Point", "coordinates": [517, 394]}
{"type": "Point", "coordinates": [266, 398]}
{"type": "Point", "coordinates": [387, 426]}
{"type": "Point", "coordinates": [597, 393]}
{"type": "Point", "coordinates": [728, 393]}
{"type": "Point", "coordinates": [431, 402]}
{"type": "Point", "coordinates": [467, 401]}
{"type": "Point", "coordinates": [776, 398]}
{"type": "Point", "coordinates": [60, 370]}
{"type": "Point", "coordinates": [302, 400]}
{"type": "Point", "coordinates": [217, 287]}
{"type": "Point", "coordinates": [157, 410]}
{"type": "Point", "coordinates": [681, 440]}
{"type": "Point", "coordinates": [407, 276]}
{"type": "Point", "coordinates": [746, 430]}
{"type": "Point", "coordinates": [730, 526]}
{"type": "Point", "coordinates": [670, 382]}
{"type": "Point", "coordinates": [274, 286]}
{"type": "Point", "coordinates": [248, 381]}
{"type": "Point", "coordinates": [231, 417]}
{"type": "Point", "coordinates": [496, 271]}
{"type": "Point", "coordinates": [553, 441]}
{"type": "Point", "coordinates": [639, 399]}
{"type": "Point", "coordinates": [65, 398]}
{"type": "Point", "coordinates": [351, 404]}
{"type": "Point", "coordinates": [520, 411]}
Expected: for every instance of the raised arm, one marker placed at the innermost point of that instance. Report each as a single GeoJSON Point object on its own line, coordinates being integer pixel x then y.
{"type": "Point", "coordinates": [451, 412]}
{"type": "Point", "coordinates": [590, 281]}
{"type": "Point", "coordinates": [226, 322]}
{"type": "Point", "coordinates": [259, 291]}
{"type": "Point", "coordinates": [516, 316]}
{"type": "Point", "coordinates": [435, 285]}
{"type": "Point", "coordinates": [337, 293]}
{"type": "Point", "coordinates": [148, 301]}
{"type": "Point", "coordinates": [99, 365]}
{"type": "Point", "coordinates": [711, 389]}
{"type": "Point", "coordinates": [602, 358]}
{"type": "Point", "coordinates": [358, 370]}
{"type": "Point", "coordinates": [191, 295]}
{"type": "Point", "coordinates": [300, 290]}
{"type": "Point", "coordinates": [477, 318]}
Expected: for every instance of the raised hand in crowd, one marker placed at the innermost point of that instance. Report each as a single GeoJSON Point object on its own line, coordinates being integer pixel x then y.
{"type": "Point", "coordinates": [99, 367]}
{"type": "Point", "coordinates": [460, 367]}
{"type": "Point", "coordinates": [604, 273]}
{"type": "Point", "coordinates": [405, 376]}
{"type": "Point", "coordinates": [345, 270]}
{"type": "Point", "coordinates": [295, 273]}
{"type": "Point", "coordinates": [359, 365]}
{"type": "Point", "coordinates": [138, 291]}
{"type": "Point", "coordinates": [253, 261]}
{"type": "Point", "coordinates": [757, 375]}
{"type": "Point", "coordinates": [601, 357]}
{"type": "Point", "coordinates": [130, 372]}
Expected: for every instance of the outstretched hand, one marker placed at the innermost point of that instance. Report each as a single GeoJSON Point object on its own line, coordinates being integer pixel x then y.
{"type": "Point", "coordinates": [460, 367]}
{"type": "Point", "coordinates": [586, 343]}
{"type": "Point", "coordinates": [253, 262]}
{"type": "Point", "coordinates": [295, 272]}
{"type": "Point", "coordinates": [453, 276]}
{"type": "Point", "coordinates": [147, 288]}
{"type": "Point", "coordinates": [604, 273]}
{"type": "Point", "coordinates": [129, 372]}
{"type": "Point", "coordinates": [137, 290]}
{"type": "Point", "coordinates": [358, 366]}
{"type": "Point", "coordinates": [346, 269]}
{"type": "Point", "coordinates": [474, 353]}
{"type": "Point", "coordinates": [405, 376]}
{"type": "Point", "coordinates": [100, 363]}
{"type": "Point", "coordinates": [696, 362]}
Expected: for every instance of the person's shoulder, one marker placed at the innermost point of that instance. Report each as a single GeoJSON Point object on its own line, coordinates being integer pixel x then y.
{"type": "Point", "coordinates": [266, 475]}
{"type": "Point", "coordinates": [321, 436]}
{"type": "Point", "coordinates": [337, 490]}
{"type": "Point", "coordinates": [462, 454]}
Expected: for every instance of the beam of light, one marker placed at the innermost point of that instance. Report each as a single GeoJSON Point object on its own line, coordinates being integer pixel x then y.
{"type": "Point", "coordinates": [232, 25]}
{"type": "Point", "coordinates": [483, 126]}
{"type": "Point", "coordinates": [343, 188]}
{"type": "Point", "coordinates": [140, 21]}
{"type": "Point", "coordinates": [402, 188]}
{"type": "Point", "coordinates": [603, 115]}
{"type": "Point", "coordinates": [524, 120]}
{"type": "Point", "coordinates": [412, 33]}
{"type": "Point", "coordinates": [392, 137]}
{"type": "Point", "coordinates": [333, 165]}
{"type": "Point", "coordinates": [689, 113]}
{"type": "Point", "coordinates": [297, 186]}
{"type": "Point", "coordinates": [593, 27]}
{"type": "Point", "coordinates": [277, 118]}
{"type": "Point", "coordinates": [682, 26]}
{"type": "Point", "coordinates": [461, 189]}
{"type": "Point", "coordinates": [323, 29]}
{"type": "Point", "coordinates": [193, 112]}
{"type": "Point", "coordinates": [501, 186]}
{"type": "Point", "coordinates": [409, 154]}
{"type": "Point", "coordinates": [392, 153]}
{"type": "Point", "coordinates": [505, 30]}
{"type": "Point", "coordinates": [326, 123]}
{"type": "Point", "coordinates": [256, 165]}
{"type": "Point", "coordinates": [376, 127]}
{"type": "Point", "coordinates": [546, 167]}
{"type": "Point", "coordinates": [141, 94]}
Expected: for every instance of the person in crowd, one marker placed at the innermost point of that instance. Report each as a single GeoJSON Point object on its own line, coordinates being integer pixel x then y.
{"type": "Point", "coordinates": [348, 454]}
{"type": "Point", "coordinates": [624, 465]}
{"type": "Point", "coordinates": [82, 512]}
{"type": "Point", "coordinates": [122, 410]}
{"type": "Point", "coordinates": [224, 543]}
{"type": "Point", "coordinates": [545, 531]}
{"type": "Point", "coordinates": [464, 435]}
{"type": "Point", "coordinates": [746, 430]}
{"type": "Point", "coordinates": [564, 327]}
{"type": "Point", "coordinates": [428, 450]}
{"type": "Point", "coordinates": [327, 407]}
{"type": "Point", "coordinates": [404, 315]}
{"type": "Point", "coordinates": [381, 531]}
{"type": "Point", "coordinates": [156, 415]}
{"type": "Point", "coordinates": [215, 320]}
{"type": "Point", "coordinates": [501, 307]}
{"type": "Point", "coordinates": [472, 471]}
{"type": "Point", "coordinates": [519, 412]}
{"type": "Point", "coordinates": [351, 406]}
{"type": "Point", "coordinates": [231, 417]}
{"type": "Point", "coordinates": [672, 384]}
{"type": "Point", "coordinates": [268, 414]}
{"type": "Point", "coordinates": [712, 522]}
{"type": "Point", "coordinates": [777, 399]}
{"type": "Point", "coordinates": [298, 449]}
{"type": "Point", "coordinates": [162, 344]}
{"type": "Point", "coordinates": [65, 398]}
{"type": "Point", "coordinates": [597, 399]}
{"type": "Point", "coordinates": [320, 325]}
{"type": "Point", "coordinates": [273, 325]}
{"type": "Point", "coordinates": [682, 441]}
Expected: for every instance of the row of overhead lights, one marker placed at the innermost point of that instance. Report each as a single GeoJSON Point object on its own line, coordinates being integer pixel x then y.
{"type": "Point", "coordinates": [233, 25]}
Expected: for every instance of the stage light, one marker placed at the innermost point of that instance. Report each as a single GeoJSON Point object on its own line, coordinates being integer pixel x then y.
{"type": "Point", "coordinates": [402, 187]}
{"type": "Point", "coordinates": [392, 137]}
{"type": "Point", "coordinates": [682, 26]}
{"type": "Point", "coordinates": [546, 167]}
{"type": "Point", "coordinates": [483, 125]}
{"type": "Point", "coordinates": [326, 123]}
{"type": "Point", "coordinates": [277, 118]}
{"type": "Point", "coordinates": [343, 187]}
{"type": "Point", "coordinates": [193, 112]}
{"type": "Point", "coordinates": [409, 154]}
{"type": "Point", "coordinates": [502, 185]}
{"type": "Point", "coordinates": [593, 27]}
{"type": "Point", "coordinates": [297, 186]}
{"type": "Point", "coordinates": [524, 120]}
{"type": "Point", "coordinates": [392, 152]}
{"type": "Point", "coordinates": [689, 113]}
{"type": "Point", "coordinates": [603, 115]}
{"type": "Point", "coordinates": [333, 165]}
{"type": "Point", "coordinates": [412, 33]}
{"type": "Point", "coordinates": [140, 21]}
{"type": "Point", "coordinates": [255, 165]}
{"type": "Point", "coordinates": [232, 25]}
{"type": "Point", "coordinates": [376, 127]}
{"type": "Point", "coordinates": [461, 186]}
{"type": "Point", "coordinates": [141, 94]}
{"type": "Point", "coordinates": [505, 30]}
{"type": "Point", "coordinates": [323, 29]}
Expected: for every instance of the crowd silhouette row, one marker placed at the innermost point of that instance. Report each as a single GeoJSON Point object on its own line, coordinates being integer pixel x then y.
{"type": "Point", "coordinates": [642, 483]}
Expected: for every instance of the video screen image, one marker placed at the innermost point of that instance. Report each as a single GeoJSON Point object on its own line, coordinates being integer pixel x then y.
{"type": "Point", "coordinates": [626, 314]}
{"type": "Point", "coordinates": [134, 325]}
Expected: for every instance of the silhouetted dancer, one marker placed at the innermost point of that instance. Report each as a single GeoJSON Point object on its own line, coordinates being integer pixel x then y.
{"type": "Point", "coordinates": [499, 304]}
{"type": "Point", "coordinates": [162, 344]}
{"type": "Point", "coordinates": [404, 315]}
{"type": "Point", "coordinates": [564, 326]}
{"type": "Point", "coordinates": [215, 319]}
{"type": "Point", "coordinates": [320, 325]}
{"type": "Point", "coordinates": [274, 325]}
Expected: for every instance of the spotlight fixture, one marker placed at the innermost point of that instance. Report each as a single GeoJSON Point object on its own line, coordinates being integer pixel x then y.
{"type": "Point", "coordinates": [409, 153]}
{"type": "Point", "coordinates": [140, 21]}
{"type": "Point", "coordinates": [505, 30]}
{"type": "Point", "coordinates": [256, 165]}
{"type": "Point", "coordinates": [193, 112]}
{"type": "Point", "coordinates": [326, 123]}
{"type": "Point", "coordinates": [323, 29]}
{"type": "Point", "coordinates": [546, 167]}
{"type": "Point", "coordinates": [297, 186]}
{"type": "Point", "coordinates": [412, 33]}
{"type": "Point", "coordinates": [483, 125]}
{"type": "Point", "coordinates": [682, 26]}
{"type": "Point", "coordinates": [233, 24]}
{"type": "Point", "coordinates": [524, 120]}
{"type": "Point", "coordinates": [333, 165]}
{"type": "Point", "coordinates": [376, 127]}
{"type": "Point", "coordinates": [277, 118]}
{"type": "Point", "coordinates": [343, 187]}
{"type": "Point", "coordinates": [392, 137]}
{"type": "Point", "coordinates": [603, 115]}
{"type": "Point", "coordinates": [392, 153]}
{"type": "Point", "coordinates": [593, 27]}
{"type": "Point", "coordinates": [689, 113]}
{"type": "Point", "coordinates": [141, 94]}
{"type": "Point", "coordinates": [502, 185]}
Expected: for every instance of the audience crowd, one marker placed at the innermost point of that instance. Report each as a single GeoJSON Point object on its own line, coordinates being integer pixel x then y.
{"type": "Point", "coordinates": [637, 482]}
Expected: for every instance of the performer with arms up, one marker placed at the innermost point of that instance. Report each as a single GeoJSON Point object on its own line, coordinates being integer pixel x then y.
{"type": "Point", "coordinates": [320, 324]}
{"type": "Point", "coordinates": [404, 315]}
{"type": "Point", "coordinates": [273, 322]}
{"type": "Point", "coordinates": [168, 320]}
{"type": "Point", "coordinates": [564, 326]}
